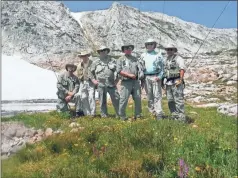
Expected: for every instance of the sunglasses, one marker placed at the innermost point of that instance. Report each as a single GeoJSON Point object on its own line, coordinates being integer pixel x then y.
{"type": "Point", "coordinates": [169, 49]}
{"type": "Point", "coordinates": [102, 50]}
{"type": "Point", "coordinates": [149, 44]}
{"type": "Point", "coordinates": [128, 48]}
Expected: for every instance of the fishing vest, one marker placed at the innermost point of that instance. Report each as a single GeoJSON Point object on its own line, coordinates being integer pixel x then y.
{"type": "Point", "coordinates": [105, 71]}
{"type": "Point", "coordinates": [172, 68]}
{"type": "Point", "coordinates": [82, 71]}
{"type": "Point", "coordinates": [66, 82]}
{"type": "Point", "coordinates": [133, 66]}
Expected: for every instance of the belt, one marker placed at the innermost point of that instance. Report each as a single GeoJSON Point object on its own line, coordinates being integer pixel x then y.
{"type": "Point", "coordinates": [129, 79]}
{"type": "Point", "coordinates": [173, 78]}
{"type": "Point", "coordinates": [152, 74]}
{"type": "Point", "coordinates": [84, 80]}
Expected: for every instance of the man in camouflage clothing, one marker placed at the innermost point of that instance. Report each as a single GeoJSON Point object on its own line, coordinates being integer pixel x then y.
{"type": "Point", "coordinates": [87, 88]}
{"type": "Point", "coordinates": [68, 86]}
{"type": "Point", "coordinates": [174, 73]}
{"type": "Point", "coordinates": [154, 70]}
{"type": "Point", "coordinates": [131, 72]}
{"type": "Point", "coordinates": [103, 75]}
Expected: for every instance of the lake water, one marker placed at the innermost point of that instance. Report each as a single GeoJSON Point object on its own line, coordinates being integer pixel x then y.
{"type": "Point", "coordinates": [10, 109]}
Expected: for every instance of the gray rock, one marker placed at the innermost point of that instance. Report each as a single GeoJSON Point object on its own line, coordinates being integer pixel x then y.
{"type": "Point", "coordinates": [74, 124]}
{"type": "Point", "coordinates": [5, 148]}
{"type": "Point", "coordinates": [40, 132]}
{"type": "Point", "coordinates": [37, 28]}
{"type": "Point", "coordinates": [207, 105]}
{"type": "Point", "coordinates": [20, 132]}
{"type": "Point", "coordinates": [17, 148]}
{"type": "Point", "coordinates": [11, 143]}
{"type": "Point", "coordinates": [40, 27]}
{"type": "Point", "coordinates": [48, 132]}
{"type": "Point", "coordinates": [231, 82]}
{"type": "Point", "coordinates": [228, 109]}
{"type": "Point", "coordinates": [74, 130]}
{"type": "Point", "coordinates": [226, 77]}
{"type": "Point", "coordinates": [10, 132]}
{"type": "Point", "coordinates": [30, 133]}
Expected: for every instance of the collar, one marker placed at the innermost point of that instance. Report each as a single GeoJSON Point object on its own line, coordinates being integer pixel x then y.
{"type": "Point", "coordinates": [172, 56]}
{"type": "Point", "coordinates": [151, 52]}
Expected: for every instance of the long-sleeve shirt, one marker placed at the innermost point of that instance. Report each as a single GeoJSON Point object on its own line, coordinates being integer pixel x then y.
{"type": "Point", "coordinates": [83, 70]}
{"type": "Point", "coordinates": [154, 63]}
{"type": "Point", "coordinates": [67, 83]}
{"type": "Point", "coordinates": [104, 70]}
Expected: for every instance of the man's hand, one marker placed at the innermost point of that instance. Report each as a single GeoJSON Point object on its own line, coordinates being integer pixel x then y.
{"type": "Point", "coordinates": [70, 93]}
{"type": "Point", "coordinates": [178, 82]}
{"type": "Point", "coordinates": [132, 76]}
{"type": "Point", "coordinates": [95, 82]}
{"type": "Point", "coordinates": [68, 98]}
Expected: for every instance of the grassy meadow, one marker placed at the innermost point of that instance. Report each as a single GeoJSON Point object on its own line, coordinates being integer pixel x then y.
{"type": "Point", "coordinates": [144, 148]}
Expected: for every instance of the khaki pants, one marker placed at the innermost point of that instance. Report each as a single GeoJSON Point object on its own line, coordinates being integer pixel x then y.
{"type": "Point", "coordinates": [130, 87]}
{"type": "Point", "coordinates": [154, 95]}
{"type": "Point", "coordinates": [87, 95]}
{"type": "Point", "coordinates": [175, 98]}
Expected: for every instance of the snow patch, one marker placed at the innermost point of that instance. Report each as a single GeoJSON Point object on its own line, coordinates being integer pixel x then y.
{"type": "Point", "coordinates": [24, 81]}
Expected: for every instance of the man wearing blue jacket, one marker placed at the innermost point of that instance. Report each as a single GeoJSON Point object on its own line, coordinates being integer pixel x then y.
{"type": "Point", "coordinates": [154, 70]}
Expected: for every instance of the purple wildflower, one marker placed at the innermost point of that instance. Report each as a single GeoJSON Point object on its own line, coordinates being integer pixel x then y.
{"type": "Point", "coordinates": [183, 169]}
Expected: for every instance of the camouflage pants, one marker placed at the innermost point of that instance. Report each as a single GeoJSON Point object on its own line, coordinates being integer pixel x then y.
{"type": "Point", "coordinates": [130, 87]}
{"type": "Point", "coordinates": [62, 105]}
{"type": "Point", "coordinates": [102, 92]}
{"type": "Point", "coordinates": [176, 101]}
{"type": "Point", "coordinates": [154, 95]}
{"type": "Point", "coordinates": [87, 95]}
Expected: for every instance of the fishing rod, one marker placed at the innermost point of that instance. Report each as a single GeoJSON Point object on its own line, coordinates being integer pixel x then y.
{"type": "Point", "coordinates": [208, 33]}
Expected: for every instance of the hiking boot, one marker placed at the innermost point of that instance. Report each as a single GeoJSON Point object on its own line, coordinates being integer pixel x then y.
{"type": "Point", "coordinates": [79, 114]}
{"type": "Point", "coordinates": [104, 116]}
{"type": "Point", "coordinates": [160, 117]}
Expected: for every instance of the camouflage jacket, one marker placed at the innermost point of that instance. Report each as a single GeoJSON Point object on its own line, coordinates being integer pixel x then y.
{"type": "Point", "coordinates": [104, 70]}
{"type": "Point", "coordinates": [67, 84]}
{"type": "Point", "coordinates": [131, 65]}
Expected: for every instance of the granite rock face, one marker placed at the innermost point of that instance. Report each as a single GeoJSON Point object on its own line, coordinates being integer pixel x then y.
{"type": "Point", "coordinates": [36, 29]}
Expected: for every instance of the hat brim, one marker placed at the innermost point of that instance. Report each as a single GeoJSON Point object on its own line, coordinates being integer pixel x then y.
{"type": "Point", "coordinates": [132, 46]}
{"type": "Point", "coordinates": [71, 65]}
{"type": "Point", "coordinates": [80, 55]}
{"type": "Point", "coordinates": [108, 50]}
{"type": "Point", "coordinates": [151, 42]}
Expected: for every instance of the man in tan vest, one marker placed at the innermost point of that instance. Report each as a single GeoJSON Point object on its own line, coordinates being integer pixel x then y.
{"type": "Point", "coordinates": [103, 75]}
{"type": "Point", "coordinates": [87, 88]}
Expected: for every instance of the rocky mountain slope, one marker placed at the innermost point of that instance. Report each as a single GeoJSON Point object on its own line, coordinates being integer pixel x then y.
{"type": "Point", "coordinates": [123, 24]}
{"type": "Point", "coordinates": [38, 28]}
{"type": "Point", "coordinates": [47, 32]}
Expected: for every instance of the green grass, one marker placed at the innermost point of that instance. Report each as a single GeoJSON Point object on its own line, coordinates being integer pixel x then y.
{"type": "Point", "coordinates": [143, 148]}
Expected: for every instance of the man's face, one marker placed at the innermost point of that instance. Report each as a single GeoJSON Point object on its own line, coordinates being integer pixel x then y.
{"type": "Point", "coordinates": [102, 53]}
{"type": "Point", "coordinates": [170, 51]}
{"type": "Point", "coordinates": [150, 46]}
{"type": "Point", "coordinates": [84, 58]}
{"type": "Point", "coordinates": [128, 50]}
{"type": "Point", "coordinates": [70, 69]}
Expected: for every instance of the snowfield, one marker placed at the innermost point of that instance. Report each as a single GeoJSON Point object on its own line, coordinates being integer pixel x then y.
{"type": "Point", "coordinates": [24, 81]}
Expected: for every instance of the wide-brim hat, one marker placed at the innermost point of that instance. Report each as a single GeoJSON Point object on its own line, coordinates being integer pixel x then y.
{"type": "Point", "coordinates": [84, 53]}
{"type": "Point", "coordinates": [71, 65]}
{"type": "Point", "coordinates": [127, 45]}
{"type": "Point", "coordinates": [171, 46]}
{"type": "Point", "coordinates": [103, 48]}
{"type": "Point", "coordinates": [150, 40]}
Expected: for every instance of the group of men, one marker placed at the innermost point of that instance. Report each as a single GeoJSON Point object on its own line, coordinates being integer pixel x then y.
{"type": "Point", "coordinates": [151, 72]}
